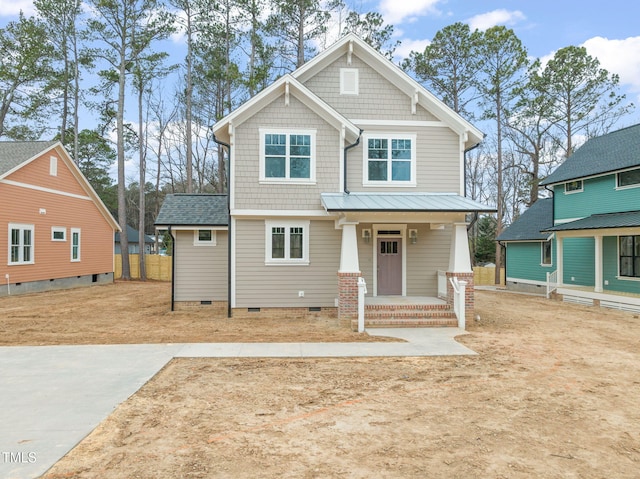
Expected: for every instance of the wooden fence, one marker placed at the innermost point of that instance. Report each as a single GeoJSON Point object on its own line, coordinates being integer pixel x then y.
{"type": "Point", "coordinates": [158, 267]}
{"type": "Point", "coordinates": [486, 276]}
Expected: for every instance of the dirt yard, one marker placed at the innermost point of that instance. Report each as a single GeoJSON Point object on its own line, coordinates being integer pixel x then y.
{"type": "Point", "coordinates": [553, 393]}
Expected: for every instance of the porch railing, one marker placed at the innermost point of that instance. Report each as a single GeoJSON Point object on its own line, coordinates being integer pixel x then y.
{"type": "Point", "coordinates": [459, 296]}
{"type": "Point", "coordinates": [552, 282]}
{"type": "Point", "coordinates": [442, 284]}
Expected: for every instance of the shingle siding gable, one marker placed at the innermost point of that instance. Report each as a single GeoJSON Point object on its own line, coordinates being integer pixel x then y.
{"type": "Point", "coordinates": [377, 99]}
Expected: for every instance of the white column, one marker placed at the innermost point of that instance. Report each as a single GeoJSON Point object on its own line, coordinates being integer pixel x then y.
{"type": "Point", "coordinates": [598, 263]}
{"type": "Point", "coordinates": [559, 259]}
{"type": "Point", "coordinates": [349, 251]}
{"type": "Point", "coordinates": [459, 256]}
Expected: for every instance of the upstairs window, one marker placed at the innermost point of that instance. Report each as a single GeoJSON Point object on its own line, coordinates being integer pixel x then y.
{"type": "Point", "coordinates": [287, 156]}
{"type": "Point", "coordinates": [21, 244]}
{"type": "Point", "coordinates": [390, 160]}
{"type": "Point", "coordinates": [573, 186]}
{"type": "Point", "coordinates": [630, 256]}
{"type": "Point", "coordinates": [628, 178]}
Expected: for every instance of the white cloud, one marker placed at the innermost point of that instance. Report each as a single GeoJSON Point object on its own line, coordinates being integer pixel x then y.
{"type": "Point", "coordinates": [408, 46]}
{"type": "Point", "coordinates": [487, 20]}
{"type": "Point", "coordinates": [618, 56]}
{"type": "Point", "coordinates": [395, 11]}
{"type": "Point", "coordinates": [13, 7]}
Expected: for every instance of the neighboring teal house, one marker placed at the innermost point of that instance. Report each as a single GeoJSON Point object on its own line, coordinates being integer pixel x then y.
{"type": "Point", "coordinates": [584, 241]}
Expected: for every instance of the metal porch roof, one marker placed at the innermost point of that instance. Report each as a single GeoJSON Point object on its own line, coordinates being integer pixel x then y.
{"type": "Point", "coordinates": [402, 202]}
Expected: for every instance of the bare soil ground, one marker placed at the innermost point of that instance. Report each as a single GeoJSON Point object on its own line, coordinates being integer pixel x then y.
{"type": "Point", "coordinates": [553, 393]}
{"type": "Point", "coordinates": [137, 312]}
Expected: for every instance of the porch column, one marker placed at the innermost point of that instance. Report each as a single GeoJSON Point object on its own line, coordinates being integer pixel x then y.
{"type": "Point", "coordinates": [460, 267]}
{"type": "Point", "coordinates": [559, 258]}
{"type": "Point", "coordinates": [459, 256]}
{"type": "Point", "coordinates": [598, 262]}
{"type": "Point", "coordinates": [348, 274]}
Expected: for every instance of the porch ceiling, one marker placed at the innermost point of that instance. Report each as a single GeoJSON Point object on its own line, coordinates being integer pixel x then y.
{"type": "Point", "coordinates": [402, 202]}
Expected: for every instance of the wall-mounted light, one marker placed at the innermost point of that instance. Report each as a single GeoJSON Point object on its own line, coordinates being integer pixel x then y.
{"type": "Point", "coordinates": [413, 236]}
{"type": "Point", "coordinates": [366, 234]}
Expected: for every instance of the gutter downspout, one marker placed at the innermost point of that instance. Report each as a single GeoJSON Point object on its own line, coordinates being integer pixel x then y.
{"type": "Point", "coordinates": [228, 179]}
{"type": "Point", "coordinates": [173, 268]}
{"type": "Point", "coordinates": [346, 149]}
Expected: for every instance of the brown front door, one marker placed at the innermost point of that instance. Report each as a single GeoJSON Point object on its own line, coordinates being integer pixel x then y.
{"type": "Point", "coordinates": [389, 266]}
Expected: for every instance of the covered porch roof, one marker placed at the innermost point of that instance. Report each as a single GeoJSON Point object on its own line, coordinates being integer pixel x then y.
{"type": "Point", "coordinates": [402, 202]}
{"type": "Point", "coordinates": [612, 223]}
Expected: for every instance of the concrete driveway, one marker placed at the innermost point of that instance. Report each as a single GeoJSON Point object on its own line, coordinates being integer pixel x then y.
{"type": "Point", "coordinates": [52, 397]}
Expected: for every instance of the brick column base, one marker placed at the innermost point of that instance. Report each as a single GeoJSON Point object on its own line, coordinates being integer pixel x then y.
{"type": "Point", "coordinates": [469, 293]}
{"type": "Point", "coordinates": [348, 296]}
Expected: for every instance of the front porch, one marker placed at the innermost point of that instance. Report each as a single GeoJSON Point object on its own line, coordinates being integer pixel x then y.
{"type": "Point", "coordinates": [590, 297]}
{"type": "Point", "coordinates": [406, 311]}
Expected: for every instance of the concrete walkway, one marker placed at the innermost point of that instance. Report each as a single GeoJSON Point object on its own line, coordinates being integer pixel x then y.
{"type": "Point", "coordinates": [52, 397]}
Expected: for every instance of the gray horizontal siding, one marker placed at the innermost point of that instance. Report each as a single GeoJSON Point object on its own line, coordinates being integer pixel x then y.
{"type": "Point", "coordinates": [438, 161]}
{"type": "Point", "coordinates": [200, 271]}
{"type": "Point", "coordinates": [259, 285]}
{"type": "Point", "coordinates": [250, 194]}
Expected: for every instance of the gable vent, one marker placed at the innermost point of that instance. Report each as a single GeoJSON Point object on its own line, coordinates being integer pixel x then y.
{"type": "Point", "coordinates": [349, 81]}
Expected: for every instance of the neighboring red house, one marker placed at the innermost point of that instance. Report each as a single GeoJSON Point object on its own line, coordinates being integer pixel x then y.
{"type": "Point", "coordinates": [58, 233]}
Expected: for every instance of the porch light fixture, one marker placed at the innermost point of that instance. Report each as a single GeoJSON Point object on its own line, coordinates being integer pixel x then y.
{"type": "Point", "coordinates": [413, 236]}
{"type": "Point", "coordinates": [366, 234]}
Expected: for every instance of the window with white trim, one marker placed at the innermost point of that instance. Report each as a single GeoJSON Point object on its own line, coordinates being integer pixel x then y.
{"type": "Point", "coordinates": [287, 156]}
{"type": "Point", "coordinates": [287, 242]}
{"type": "Point", "coordinates": [627, 179]}
{"type": "Point", "coordinates": [204, 237]}
{"type": "Point", "coordinates": [21, 244]}
{"type": "Point", "coordinates": [545, 253]}
{"type": "Point", "coordinates": [390, 160]}
{"type": "Point", "coordinates": [75, 244]}
{"type": "Point", "coordinates": [630, 256]}
{"type": "Point", "coordinates": [573, 186]}
{"type": "Point", "coordinates": [58, 233]}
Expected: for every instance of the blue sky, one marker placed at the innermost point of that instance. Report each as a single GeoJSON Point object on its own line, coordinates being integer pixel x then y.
{"type": "Point", "coordinates": [609, 30]}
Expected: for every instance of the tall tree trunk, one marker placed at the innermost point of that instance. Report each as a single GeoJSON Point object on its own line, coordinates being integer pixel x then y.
{"type": "Point", "coordinates": [499, 208]}
{"type": "Point", "coordinates": [141, 199]}
{"type": "Point", "coordinates": [122, 205]}
{"type": "Point", "coordinates": [188, 102]}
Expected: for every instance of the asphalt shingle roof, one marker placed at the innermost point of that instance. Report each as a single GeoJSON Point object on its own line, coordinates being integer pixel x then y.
{"type": "Point", "coordinates": [133, 237]}
{"type": "Point", "coordinates": [528, 227]}
{"type": "Point", "coordinates": [628, 219]}
{"type": "Point", "coordinates": [183, 209]}
{"type": "Point", "coordinates": [13, 153]}
{"type": "Point", "coordinates": [401, 202]}
{"type": "Point", "coordinates": [614, 151]}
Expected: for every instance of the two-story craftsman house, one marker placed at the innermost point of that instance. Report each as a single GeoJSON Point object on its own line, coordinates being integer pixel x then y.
{"type": "Point", "coordinates": [345, 168]}
{"type": "Point", "coordinates": [587, 236]}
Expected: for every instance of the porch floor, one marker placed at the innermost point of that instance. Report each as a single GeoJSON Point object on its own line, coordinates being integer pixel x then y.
{"type": "Point", "coordinates": [403, 300]}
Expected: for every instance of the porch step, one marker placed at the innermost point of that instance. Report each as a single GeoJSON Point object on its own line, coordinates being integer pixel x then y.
{"type": "Point", "coordinates": [408, 316]}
